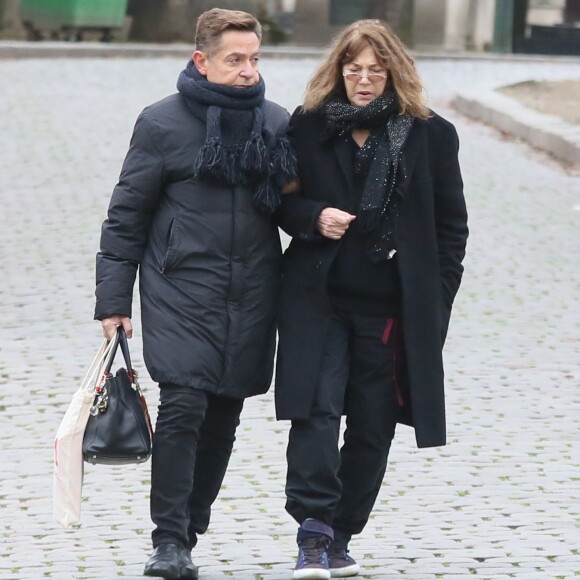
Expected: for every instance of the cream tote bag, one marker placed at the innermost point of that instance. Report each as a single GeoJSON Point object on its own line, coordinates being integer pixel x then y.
{"type": "Point", "coordinates": [68, 443]}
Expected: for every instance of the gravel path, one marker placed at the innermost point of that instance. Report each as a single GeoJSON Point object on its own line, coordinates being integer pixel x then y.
{"type": "Point", "coordinates": [500, 501]}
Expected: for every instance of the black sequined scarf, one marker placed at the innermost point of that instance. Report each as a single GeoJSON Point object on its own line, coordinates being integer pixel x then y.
{"type": "Point", "coordinates": [380, 159]}
{"type": "Point", "coordinates": [239, 148]}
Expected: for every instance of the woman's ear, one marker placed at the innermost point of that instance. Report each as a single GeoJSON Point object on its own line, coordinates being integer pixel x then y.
{"type": "Point", "coordinates": [200, 60]}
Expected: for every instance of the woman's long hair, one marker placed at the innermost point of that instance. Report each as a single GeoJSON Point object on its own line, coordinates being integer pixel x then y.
{"type": "Point", "coordinates": [391, 54]}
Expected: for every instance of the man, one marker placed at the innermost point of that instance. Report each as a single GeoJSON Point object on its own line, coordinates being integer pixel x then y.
{"type": "Point", "coordinates": [192, 210]}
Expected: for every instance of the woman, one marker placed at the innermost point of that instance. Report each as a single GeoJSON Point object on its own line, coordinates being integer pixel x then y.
{"type": "Point", "coordinates": [379, 228]}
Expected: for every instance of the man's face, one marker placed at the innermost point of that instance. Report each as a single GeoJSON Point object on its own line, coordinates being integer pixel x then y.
{"type": "Point", "coordinates": [235, 63]}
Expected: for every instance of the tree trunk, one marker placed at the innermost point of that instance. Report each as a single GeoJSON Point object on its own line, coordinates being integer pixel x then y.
{"type": "Point", "coordinates": [163, 20]}
{"type": "Point", "coordinates": [572, 11]}
{"type": "Point", "coordinates": [147, 15]}
{"type": "Point", "coordinates": [520, 18]}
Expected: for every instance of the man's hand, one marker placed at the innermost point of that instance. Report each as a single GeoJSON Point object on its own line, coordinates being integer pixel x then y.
{"type": "Point", "coordinates": [291, 187]}
{"type": "Point", "coordinates": [333, 223]}
{"type": "Point", "coordinates": [110, 326]}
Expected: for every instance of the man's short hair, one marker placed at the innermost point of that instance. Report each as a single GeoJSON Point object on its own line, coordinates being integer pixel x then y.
{"type": "Point", "coordinates": [213, 23]}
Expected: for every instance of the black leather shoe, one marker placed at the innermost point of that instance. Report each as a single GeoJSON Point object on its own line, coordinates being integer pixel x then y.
{"type": "Point", "coordinates": [171, 562]}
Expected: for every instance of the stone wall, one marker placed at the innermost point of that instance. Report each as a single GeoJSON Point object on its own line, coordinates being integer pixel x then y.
{"type": "Point", "coordinates": [422, 24]}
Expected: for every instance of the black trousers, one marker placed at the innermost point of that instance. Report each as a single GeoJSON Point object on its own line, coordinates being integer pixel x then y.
{"type": "Point", "coordinates": [194, 437]}
{"type": "Point", "coordinates": [357, 378]}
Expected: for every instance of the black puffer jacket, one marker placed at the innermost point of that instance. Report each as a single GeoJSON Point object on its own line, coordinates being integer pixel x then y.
{"type": "Point", "coordinates": [209, 262]}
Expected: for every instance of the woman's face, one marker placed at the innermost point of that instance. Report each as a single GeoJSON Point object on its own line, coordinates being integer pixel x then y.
{"type": "Point", "coordinates": [365, 79]}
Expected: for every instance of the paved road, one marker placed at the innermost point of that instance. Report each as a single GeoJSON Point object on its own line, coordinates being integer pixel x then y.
{"type": "Point", "coordinates": [500, 501]}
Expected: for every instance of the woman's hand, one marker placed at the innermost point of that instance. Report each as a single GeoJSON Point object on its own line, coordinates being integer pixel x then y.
{"type": "Point", "coordinates": [110, 326]}
{"type": "Point", "coordinates": [332, 222]}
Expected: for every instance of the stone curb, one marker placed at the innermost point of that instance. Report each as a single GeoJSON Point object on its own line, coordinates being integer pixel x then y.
{"type": "Point", "coordinates": [546, 132]}
{"type": "Point", "coordinates": [22, 49]}
{"type": "Point", "coordinates": [47, 49]}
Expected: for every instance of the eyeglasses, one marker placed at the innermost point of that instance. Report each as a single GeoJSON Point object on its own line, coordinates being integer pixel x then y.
{"type": "Point", "coordinates": [355, 77]}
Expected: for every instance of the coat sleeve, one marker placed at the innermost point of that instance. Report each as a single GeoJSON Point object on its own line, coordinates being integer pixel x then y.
{"type": "Point", "coordinates": [124, 233]}
{"type": "Point", "coordinates": [450, 217]}
{"type": "Point", "coordinates": [297, 215]}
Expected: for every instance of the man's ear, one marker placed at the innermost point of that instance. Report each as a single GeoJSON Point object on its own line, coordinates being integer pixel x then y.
{"type": "Point", "coordinates": [200, 60]}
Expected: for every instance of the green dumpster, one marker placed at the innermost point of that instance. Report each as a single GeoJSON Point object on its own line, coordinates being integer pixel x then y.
{"type": "Point", "coordinates": [72, 17]}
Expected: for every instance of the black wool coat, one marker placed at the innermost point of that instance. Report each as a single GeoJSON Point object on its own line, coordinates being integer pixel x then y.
{"type": "Point", "coordinates": [209, 262]}
{"type": "Point", "coordinates": [431, 237]}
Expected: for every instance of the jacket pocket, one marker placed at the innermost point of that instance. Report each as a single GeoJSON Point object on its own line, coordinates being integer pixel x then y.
{"type": "Point", "coordinates": [170, 259]}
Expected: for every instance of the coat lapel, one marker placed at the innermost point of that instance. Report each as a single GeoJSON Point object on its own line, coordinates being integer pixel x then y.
{"type": "Point", "coordinates": [411, 151]}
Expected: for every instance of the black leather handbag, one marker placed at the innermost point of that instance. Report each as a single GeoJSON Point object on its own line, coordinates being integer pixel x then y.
{"type": "Point", "coordinates": [119, 428]}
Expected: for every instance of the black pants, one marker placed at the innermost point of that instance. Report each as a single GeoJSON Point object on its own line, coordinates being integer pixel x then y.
{"type": "Point", "coordinates": [194, 437]}
{"type": "Point", "coordinates": [357, 377]}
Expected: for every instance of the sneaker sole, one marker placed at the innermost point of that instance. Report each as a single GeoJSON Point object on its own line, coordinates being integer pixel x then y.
{"type": "Point", "coordinates": [311, 574]}
{"type": "Point", "coordinates": [352, 570]}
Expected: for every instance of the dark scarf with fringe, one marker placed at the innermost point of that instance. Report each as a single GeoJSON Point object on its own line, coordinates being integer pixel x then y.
{"type": "Point", "coordinates": [239, 148]}
{"type": "Point", "coordinates": [380, 160]}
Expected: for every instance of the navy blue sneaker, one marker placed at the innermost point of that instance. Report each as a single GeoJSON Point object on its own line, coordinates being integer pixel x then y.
{"type": "Point", "coordinates": [340, 563]}
{"type": "Point", "coordinates": [314, 538]}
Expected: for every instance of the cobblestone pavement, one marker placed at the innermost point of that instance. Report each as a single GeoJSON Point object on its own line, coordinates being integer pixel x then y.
{"type": "Point", "coordinates": [500, 501]}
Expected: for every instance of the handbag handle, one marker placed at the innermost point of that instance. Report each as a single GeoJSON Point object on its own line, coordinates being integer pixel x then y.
{"type": "Point", "coordinates": [97, 367]}
{"type": "Point", "coordinates": [120, 339]}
